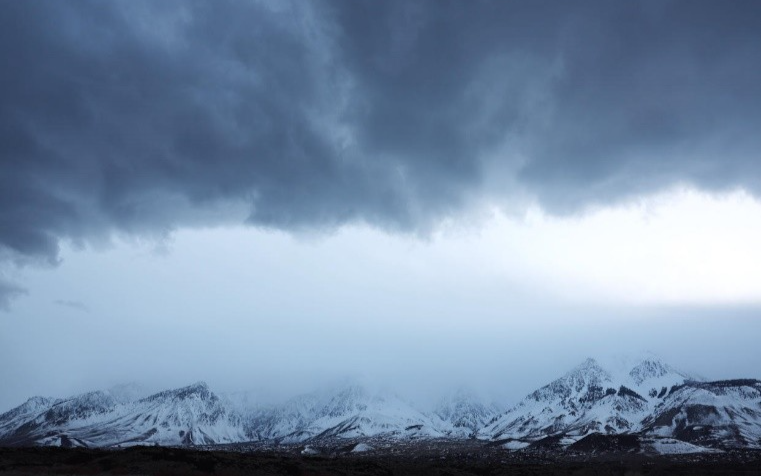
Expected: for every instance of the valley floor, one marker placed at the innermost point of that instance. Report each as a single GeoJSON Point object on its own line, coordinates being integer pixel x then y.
{"type": "Point", "coordinates": [465, 459]}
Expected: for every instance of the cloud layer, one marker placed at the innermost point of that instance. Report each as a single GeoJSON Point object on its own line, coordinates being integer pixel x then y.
{"type": "Point", "coordinates": [144, 116]}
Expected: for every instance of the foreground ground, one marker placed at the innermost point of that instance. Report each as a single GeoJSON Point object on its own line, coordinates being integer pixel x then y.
{"type": "Point", "coordinates": [438, 460]}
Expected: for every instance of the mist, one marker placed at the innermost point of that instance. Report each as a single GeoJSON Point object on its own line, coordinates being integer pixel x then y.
{"type": "Point", "coordinates": [475, 306]}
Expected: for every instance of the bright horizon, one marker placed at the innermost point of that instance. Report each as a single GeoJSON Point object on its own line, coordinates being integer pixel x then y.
{"type": "Point", "coordinates": [337, 311]}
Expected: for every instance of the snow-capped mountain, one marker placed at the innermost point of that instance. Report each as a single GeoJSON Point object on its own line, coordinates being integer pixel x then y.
{"type": "Point", "coordinates": [724, 414]}
{"type": "Point", "coordinates": [287, 422]}
{"type": "Point", "coordinates": [588, 399]}
{"type": "Point", "coordinates": [666, 409]}
{"type": "Point", "coordinates": [463, 413]}
{"type": "Point", "coordinates": [355, 412]}
{"type": "Point", "coordinates": [189, 415]}
{"type": "Point", "coordinates": [20, 415]}
{"type": "Point", "coordinates": [350, 412]}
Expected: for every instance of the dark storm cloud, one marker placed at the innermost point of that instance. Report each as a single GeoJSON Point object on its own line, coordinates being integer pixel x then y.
{"type": "Point", "coordinates": [137, 116]}
{"type": "Point", "coordinates": [652, 93]}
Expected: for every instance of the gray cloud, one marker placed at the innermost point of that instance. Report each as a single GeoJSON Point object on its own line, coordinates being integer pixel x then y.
{"type": "Point", "coordinates": [143, 116]}
{"type": "Point", "coordinates": [9, 291]}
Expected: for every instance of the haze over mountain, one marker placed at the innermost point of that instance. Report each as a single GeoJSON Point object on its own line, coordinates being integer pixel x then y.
{"type": "Point", "coordinates": [272, 195]}
{"type": "Point", "coordinates": [667, 410]}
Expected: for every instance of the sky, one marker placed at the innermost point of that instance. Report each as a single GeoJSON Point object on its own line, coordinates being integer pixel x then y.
{"type": "Point", "coordinates": [272, 195]}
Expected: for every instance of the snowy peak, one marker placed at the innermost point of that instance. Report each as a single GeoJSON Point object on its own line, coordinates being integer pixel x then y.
{"type": "Point", "coordinates": [649, 369]}
{"type": "Point", "coordinates": [465, 412]}
{"type": "Point", "coordinates": [33, 405]}
{"type": "Point", "coordinates": [583, 381]}
{"type": "Point", "coordinates": [198, 391]}
{"type": "Point", "coordinates": [652, 378]}
{"type": "Point", "coordinates": [588, 371]}
{"type": "Point", "coordinates": [23, 413]}
{"type": "Point", "coordinates": [357, 412]}
{"type": "Point", "coordinates": [351, 400]}
{"type": "Point", "coordinates": [351, 411]}
{"type": "Point", "coordinates": [188, 415]}
{"type": "Point", "coordinates": [82, 407]}
{"type": "Point", "coordinates": [589, 364]}
{"type": "Point", "coordinates": [588, 399]}
{"type": "Point", "coordinates": [288, 420]}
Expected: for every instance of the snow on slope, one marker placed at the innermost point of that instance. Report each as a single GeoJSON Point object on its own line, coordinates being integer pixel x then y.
{"type": "Point", "coordinates": [190, 415]}
{"type": "Point", "coordinates": [463, 413]}
{"type": "Point", "coordinates": [349, 412]}
{"type": "Point", "coordinates": [195, 415]}
{"type": "Point", "coordinates": [286, 422]}
{"type": "Point", "coordinates": [723, 414]}
{"type": "Point", "coordinates": [670, 446]}
{"type": "Point", "coordinates": [355, 412]}
{"type": "Point", "coordinates": [646, 397]}
{"type": "Point", "coordinates": [588, 399]}
{"type": "Point", "coordinates": [20, 415]}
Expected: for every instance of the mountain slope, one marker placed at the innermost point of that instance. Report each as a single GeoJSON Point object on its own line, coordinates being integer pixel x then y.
{"type": "Point", "coordinates": [463, 413]}
{"type": "Point", "coordinates": [646, 402]}
{"type": "Point", "coordinates": [354, 412]}
{"type": "Point", "coordinates": [190, 415]}
{"type": "Point", "coordinates": [13, 419]}
{"type": "Point", "coordinates": [588, 399]}
{"type": "Point", "coordinates": [349, 412]}
{"type": "Point", "coordinates": [723, 414]}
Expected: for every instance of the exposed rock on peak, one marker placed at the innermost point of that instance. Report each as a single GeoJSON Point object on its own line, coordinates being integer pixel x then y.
{"type": "Point", "coordinates": [649, 369]}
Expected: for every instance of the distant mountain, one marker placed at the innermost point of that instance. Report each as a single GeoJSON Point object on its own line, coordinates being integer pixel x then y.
{"type": "Point", "coordinates": [645, 405]}
{"type": "Point", "coordinates": [349, 412]}
{"type": "Point", "coordinates": [21, 415]}
{"type": "Point", "coordinates": [588, 399]}
{"type": "Point", "coordinates": [189, 415]}
{"type": "Point", "coordinates": [723, 414]}
{"type": "Point", "coordinates": [464, 414]}
{"type": "Point", "coordinates": [285, 423]}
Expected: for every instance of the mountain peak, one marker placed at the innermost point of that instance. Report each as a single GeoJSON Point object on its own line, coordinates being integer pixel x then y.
{"type": "Point", "coordinates": [589, 370]}
{"type": "Point", "coordinates": [200, 386]}
{"type": "Point", "coordinates": [198, 390]}
{"type": "Point", "coordinates": [649, 368]}
{"type": "Point", "coordinates": [38, 402]}
{"type": "Point", "coordinates": [589, 363]}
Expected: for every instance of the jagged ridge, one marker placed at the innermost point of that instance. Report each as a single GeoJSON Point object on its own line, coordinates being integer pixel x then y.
{"type": "Point", "coordinates": [650, 399]}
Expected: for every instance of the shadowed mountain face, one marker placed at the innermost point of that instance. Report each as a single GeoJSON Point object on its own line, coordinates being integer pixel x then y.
{"type": "Point", "coordinates": [655, 404]}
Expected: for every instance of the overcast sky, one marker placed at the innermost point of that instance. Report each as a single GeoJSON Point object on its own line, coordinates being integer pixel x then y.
{"type": "Point", "coordinates": [274, 194]}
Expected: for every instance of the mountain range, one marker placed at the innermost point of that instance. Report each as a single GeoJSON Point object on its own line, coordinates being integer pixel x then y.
{"type": "Point", "coordinates": [664, 408]}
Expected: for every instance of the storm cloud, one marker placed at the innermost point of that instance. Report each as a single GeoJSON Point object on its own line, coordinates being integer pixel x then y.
{"type": "Point", "coordinates": [141, 117]}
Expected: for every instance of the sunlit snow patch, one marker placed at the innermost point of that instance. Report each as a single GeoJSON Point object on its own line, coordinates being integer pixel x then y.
{"type": "Point", "coordinates": [362, 447]}
{"type": "Point", "coordinates": [308, 450]}
{"type": "Point", "coordinates": [568, 441]}
{"type": "Point", "coordinates": [515, 445]}
{"type": "Point", "coordinates": [669, 446]}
